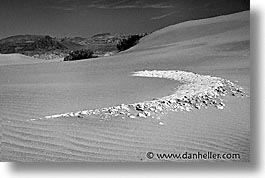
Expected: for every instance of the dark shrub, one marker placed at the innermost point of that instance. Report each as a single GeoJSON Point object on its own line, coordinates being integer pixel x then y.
{"type": "Point", "coordinates": [129, 42]}
{"type": "Point", "coordinates": [79, 54]}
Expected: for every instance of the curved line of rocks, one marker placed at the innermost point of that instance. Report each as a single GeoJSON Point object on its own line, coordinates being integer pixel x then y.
{"type": "Point", "coordinates": [197, 91]}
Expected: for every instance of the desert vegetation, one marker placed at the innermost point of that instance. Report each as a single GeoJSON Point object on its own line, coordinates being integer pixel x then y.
{"type": "Point", "coordinates": [79, 54]}
{"type": "Point", "coordinates": [129, 41]}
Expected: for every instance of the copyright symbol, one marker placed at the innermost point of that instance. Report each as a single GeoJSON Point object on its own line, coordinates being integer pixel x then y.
{"type": "Point", "coordinates": [150, 155]}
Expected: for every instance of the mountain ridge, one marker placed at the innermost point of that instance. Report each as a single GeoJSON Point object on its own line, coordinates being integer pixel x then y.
{"type": "Point", "coordinates": [47, 47]}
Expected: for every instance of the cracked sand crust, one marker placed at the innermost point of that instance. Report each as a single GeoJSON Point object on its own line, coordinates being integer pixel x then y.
{"type": "Point", "coordinates": [196, 92]}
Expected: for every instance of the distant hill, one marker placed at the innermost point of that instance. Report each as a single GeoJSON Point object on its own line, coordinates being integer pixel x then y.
{"type": "Point", "coordinates": [46, 47]}
{"type": "Point", "coordinates": [26, 44]}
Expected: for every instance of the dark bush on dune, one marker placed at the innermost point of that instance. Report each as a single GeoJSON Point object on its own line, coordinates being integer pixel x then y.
{"type": "Point", "coordinates": [129, 42]}
{"type": "Point", "coordinates": [79, 54]}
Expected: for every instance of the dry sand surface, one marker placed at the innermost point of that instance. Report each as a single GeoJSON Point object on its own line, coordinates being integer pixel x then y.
{"type": "Point", "coordinates": [16, 59]}
{"type": "Point", "coordinates": [218, 47]}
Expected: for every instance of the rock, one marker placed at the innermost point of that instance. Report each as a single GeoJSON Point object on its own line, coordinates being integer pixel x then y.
{"type": "Point", "coordinates": [219, 107]}
{"type": "Point", "coordinates": [71, 114]}
{"type": "Point", "coordinates": [117, 107]}
{"type": "Point", "coordinates": [133, 117]}
{"type": "Point", "coordinates": [187, 109]}
{"type": "Point", "coordinates": [65, 115]}
{"type": "Point", "coordinates": [222, 104]}
{"type": "Point", "coordinates": [122, 113]}
{"type": "Point", "coordinates": [141, 115]}
{"type": "Point", "coordinates": [139, 107]}
{"type": "Point", "coordinates": [161, 123]}
{"type": "Point", "coordinates": [124, 107]}
{"type": "Point", "coordinates": [104, 109]}
{"type": "Point", "coordinates": [147, 113]}
{"type": "Point", "coordinates": [96, 112]}
{"type": "Point", "coordinates": [85, 112]}
{"type": "Point", "coordinates": [205, 102]}
{"type": "Point", "coordinates": [172, 101]}
{"type": "Point", "coordinates": [159, 108]}
{"type": "Point", "coordinates": [197, 106]}
{"type": "Point", "coordinates": [152, 109]}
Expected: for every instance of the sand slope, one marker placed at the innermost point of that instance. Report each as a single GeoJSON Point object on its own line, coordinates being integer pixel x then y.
{"type": "Point", "coordinates": [216, 46]}
{"type": "Point", "coordinates": [12, 59]}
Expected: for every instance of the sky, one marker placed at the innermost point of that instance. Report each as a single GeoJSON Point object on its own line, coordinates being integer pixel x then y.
{"type": "Point", "coordinates": [84, 18]}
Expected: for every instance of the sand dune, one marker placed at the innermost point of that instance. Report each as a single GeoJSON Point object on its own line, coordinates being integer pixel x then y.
{"type": "Point", "coordinates": [16, 59]}
{"type": "Point", "coordinates": [216, 46]}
